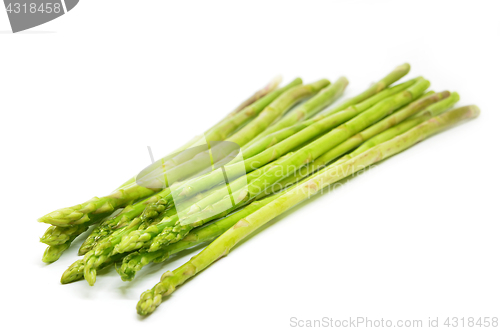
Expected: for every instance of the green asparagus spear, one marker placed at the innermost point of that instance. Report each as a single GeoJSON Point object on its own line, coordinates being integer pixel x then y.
{"type": "Point", "coordinates": [309, 108]}
{"type": "Point", "coordinates": [271, 86]}
{"type": "Point", "coordinates": [392, 77]}
{"type": "Point", "coordinates": [220, 247]}
{"type": "Point", "coordinates": [222, 130]}
{"type": "Point", "coordinates": [75, 271]}
{"type": "Point", "coordinates": [277, 108]}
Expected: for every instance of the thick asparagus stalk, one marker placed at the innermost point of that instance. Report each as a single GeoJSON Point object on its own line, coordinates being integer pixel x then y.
{"type": "Point", "coordinates": [220, 247]}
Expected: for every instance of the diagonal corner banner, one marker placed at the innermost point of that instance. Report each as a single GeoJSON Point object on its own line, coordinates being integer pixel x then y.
{"type": "Point", "coordinates": [26, 14]}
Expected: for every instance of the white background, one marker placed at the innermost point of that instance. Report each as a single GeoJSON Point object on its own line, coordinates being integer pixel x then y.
{"type": "Point", "coordinates": [82, 96]}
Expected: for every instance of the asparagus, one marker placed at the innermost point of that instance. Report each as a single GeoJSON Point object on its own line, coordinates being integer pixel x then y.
{"type": "Point", "coordinates": [53, 253]}
{"type": "Point", "coordinates": [221, 246]}
{"type": "Point", "coordinates": [174, 229]}
{"type": "Point", "coordinates": [56, 235]}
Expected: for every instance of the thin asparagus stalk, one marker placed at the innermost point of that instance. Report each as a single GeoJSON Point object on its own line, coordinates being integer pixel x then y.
{"type": "Point", "coordinates": [221, 246]}
{"type": "Point", "coordinates": [272, 139]}
{"type": "Point", "coordinates": [309, 108]}
{"type": "Point", "coordinates": [277, 108]}
{"type": "Point", "coordinates": [271, 86]}
{"type": "Point", "coordinates": [395, 75]}
{"type": "Point", "coordinates": [222, 130]}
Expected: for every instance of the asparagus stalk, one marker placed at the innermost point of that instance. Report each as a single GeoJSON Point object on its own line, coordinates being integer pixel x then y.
{"type": "Point", "coordinates": [221, 246]}
{"type": "Point", "coordinates": [75, 271]}
{"type": "Point", "coordinates": [309, 108]}
{"type": "Point", "coordinates": [56, 235]}
{"type": "Point", "coordinates": [395, 75]}
{"type": "Point", "coordinates": [271, 86]}
{"type": "Point", "coordinates": [222, 130]}
{"type": "Point", "coordinates": [272, 139]}
{"type": "Point", "coordinates": [431, 111]}
{"type": "Point", "coordinates": [85, 213]}
{"type": "Point", "coordinates": [277, 108]}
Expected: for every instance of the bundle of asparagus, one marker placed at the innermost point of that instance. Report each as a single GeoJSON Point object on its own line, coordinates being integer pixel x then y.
{"type": "Point", "coordinates": [289, 148]}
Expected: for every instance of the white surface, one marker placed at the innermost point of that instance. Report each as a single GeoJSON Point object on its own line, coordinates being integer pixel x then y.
{"type": "Point", "coordinates": [415, 237]}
